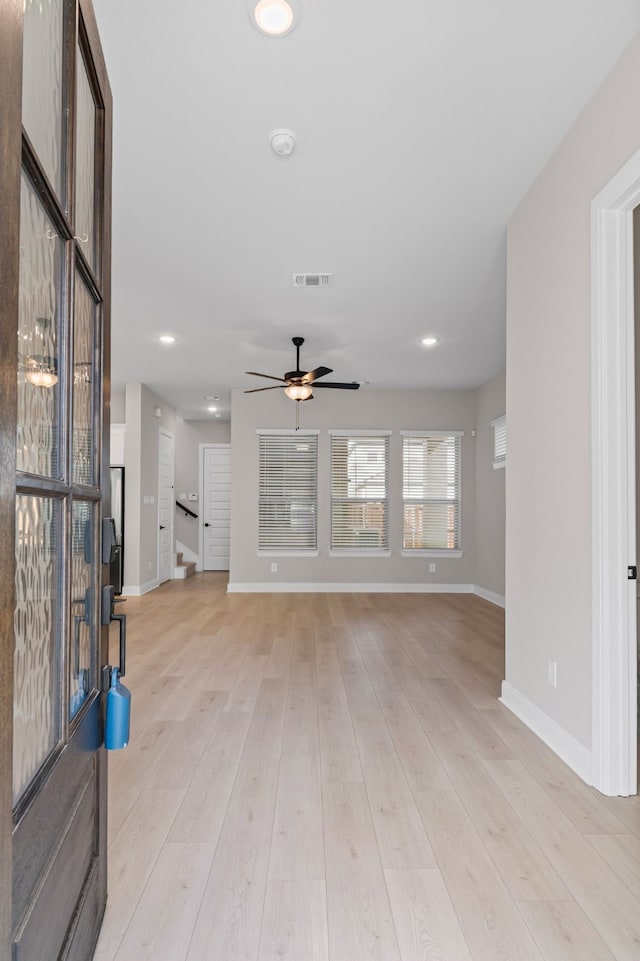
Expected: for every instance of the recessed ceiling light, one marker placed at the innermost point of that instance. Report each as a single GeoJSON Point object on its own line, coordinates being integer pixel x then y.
{"type": "Point", "coordinates": [167, 339]}
{"type": "Point", "coordinates": [218, 415]}
{"type": "Point", "coordinates": [210, 397]}
{"type": "Point", "coordinates": [273, 17]}
{"type": "Point", "coordinates": [429, 341]}
{"type": "Point", "coordinates": [212, 409]}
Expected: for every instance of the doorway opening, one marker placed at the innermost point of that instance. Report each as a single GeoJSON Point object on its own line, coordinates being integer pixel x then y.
{"type": "Point", "coordinates": [613, 369]}
{"type": "Point", "coordinates": [165, 505]}
{"type": "Point", "coordinates": [215, 498]}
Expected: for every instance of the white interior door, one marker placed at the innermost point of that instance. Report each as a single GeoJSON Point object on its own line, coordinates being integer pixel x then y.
{"type": "Point", "coordinates": [165, 505]}
{"type": "Point", "coordinates": [216, 507]}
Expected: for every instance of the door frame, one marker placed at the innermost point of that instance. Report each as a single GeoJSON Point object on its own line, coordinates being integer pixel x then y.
{"type": "Point", "coordinates": [614, 637]}
{"type": "Point", "coordinates": [167, 433]}
{"type": "Point", "coordinates": [201, 491]}
{"type": "Point", "coordinates": [11, 19]}
{"type": "Point", "coordinates": [11, 42]}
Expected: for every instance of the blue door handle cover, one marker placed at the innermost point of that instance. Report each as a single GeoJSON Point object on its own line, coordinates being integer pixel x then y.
{"type": "Point", "coordinates": [118, 715]}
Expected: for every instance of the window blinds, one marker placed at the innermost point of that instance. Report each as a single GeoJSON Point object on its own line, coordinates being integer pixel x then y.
{"type": "Point", "coordinates": [431, 492]}
{"type": "Point", "coordinates": [287, 492]}
{"type": "Point", "coordinates": [499, 440]}
{"type": "Point", "coordinates": [359, 492]}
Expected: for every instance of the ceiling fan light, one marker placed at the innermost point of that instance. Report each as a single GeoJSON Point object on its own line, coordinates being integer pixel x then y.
{"type": "Point", "coordinates": [298, 391]}
{"type": "Point", "coordinates": [273, 17]}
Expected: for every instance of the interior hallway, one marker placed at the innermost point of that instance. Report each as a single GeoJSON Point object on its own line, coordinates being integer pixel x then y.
{"type": "Point", "coordinates": [315, 777]}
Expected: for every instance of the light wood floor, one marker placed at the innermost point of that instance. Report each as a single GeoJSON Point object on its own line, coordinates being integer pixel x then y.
{"type": "Point", "coordinates": [317, 777]}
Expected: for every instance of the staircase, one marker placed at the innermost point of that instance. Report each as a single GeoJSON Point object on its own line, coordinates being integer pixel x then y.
{"type": "Point", "coordinates": [183, 568]}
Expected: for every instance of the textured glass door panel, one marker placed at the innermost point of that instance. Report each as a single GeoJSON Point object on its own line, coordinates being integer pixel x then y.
{"type": "Point", "coordinates": [42, 84]}
{"type": "Point", "coordinates": [82, 657]}
{"type": "Point", "coordinates": [85, 163]}
{"type": "Point", "coordinates": [84, 323]}
{"type": "Point", "coordinates": [38, 363]}
{"type": "Point", "coordinates": [36, 705]}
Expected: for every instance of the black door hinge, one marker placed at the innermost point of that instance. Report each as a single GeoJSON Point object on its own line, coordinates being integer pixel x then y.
{"type": "Point", "coordinates": [632, 573]}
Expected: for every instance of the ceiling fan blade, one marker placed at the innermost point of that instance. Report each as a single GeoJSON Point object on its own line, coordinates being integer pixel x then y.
{"type": "Point", "coordinates": [253, 373]}
{"type": "Point", "coordinates": [255, 390]}
{"type": "Point", "coordinates": [354, 385]}
{"type": "Point", "coordinates": [314, 374]}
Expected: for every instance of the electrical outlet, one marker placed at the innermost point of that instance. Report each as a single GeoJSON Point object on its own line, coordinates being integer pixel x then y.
{"type": "Point", "coordinates": [274, 568]}
{"type": "Point", "coordinates": [432, 568]}
{"type": "Point", "coordinates": [552, 673]}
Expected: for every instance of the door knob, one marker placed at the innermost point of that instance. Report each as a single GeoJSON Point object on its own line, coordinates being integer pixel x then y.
{"type": "Point", "coordinates": [206, 524]}
{"type": "Point", "coordinates": [162, 527]}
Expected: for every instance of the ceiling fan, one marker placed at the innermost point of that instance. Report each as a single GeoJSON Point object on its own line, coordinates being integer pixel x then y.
{"type": "Point", "coordinates": [300, 384]}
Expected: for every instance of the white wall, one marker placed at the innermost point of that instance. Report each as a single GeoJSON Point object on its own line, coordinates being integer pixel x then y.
{"type": "Point", "coordinates": [141, 478]}
{"type": "Point", "coordinates": [548, 502]}
{"type": "Point", "coordinates": [189, 435]}
{"type": "Point", "coordinates": [118, 407]}
{"type": "Point", "coordinates": [367, 409]}
{"type": "Point", "coordinates": [490, 402]}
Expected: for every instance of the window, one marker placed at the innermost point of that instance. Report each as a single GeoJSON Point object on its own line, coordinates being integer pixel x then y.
{"type": "Point", "coordinates": [287, 491]}
{"type": "Point", "coordinates": [359, 487]}
{"type": "Point", "coordinates": [499, 441]}
{"type": "Point", "coordinates": [431, 491]}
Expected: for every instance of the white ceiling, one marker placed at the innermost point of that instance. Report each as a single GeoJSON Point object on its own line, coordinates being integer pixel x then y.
{"type": "Point", "coordinates": [420, 126]}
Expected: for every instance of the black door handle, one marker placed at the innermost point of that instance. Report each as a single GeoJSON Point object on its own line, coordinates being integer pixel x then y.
{"type": "Point", "coordinates": [206, 524]}
{"type": "Point", "coordinates": [108, 615]}
{"type": "Point", "coordinates": [162, 527]}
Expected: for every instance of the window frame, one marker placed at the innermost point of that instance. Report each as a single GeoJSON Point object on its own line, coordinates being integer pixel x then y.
{"type": "Point", "coordinates": [457, 550]}
{"type": "Point", "coordinates": [499, 425]}
{"type": "Point", "coordinates": [364, 550]}
{"type": "Point", "coordinates": [292, 549]}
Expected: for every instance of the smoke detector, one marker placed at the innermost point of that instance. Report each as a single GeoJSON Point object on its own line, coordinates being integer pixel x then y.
{"type": "Point", "coordinates": [283, 142]}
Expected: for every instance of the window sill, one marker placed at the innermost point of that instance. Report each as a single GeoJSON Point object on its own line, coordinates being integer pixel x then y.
{"type": "Point", "coordinates": [434, 553]}
{"type": "Point", "coordinates": [359, 552]}
{"type": "Point", "coordinates": [285, 552]}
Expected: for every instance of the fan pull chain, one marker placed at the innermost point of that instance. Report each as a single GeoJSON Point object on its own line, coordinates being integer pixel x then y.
{"type": "Point", "coordinates": [297, 415]}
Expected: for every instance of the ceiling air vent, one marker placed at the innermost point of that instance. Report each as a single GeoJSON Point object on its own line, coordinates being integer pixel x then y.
{"type": "Point", "coordinates": [311, 280]}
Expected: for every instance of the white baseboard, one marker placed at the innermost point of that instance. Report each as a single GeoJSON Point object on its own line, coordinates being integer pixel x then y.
{"type": "Point", "coordinates": [298, 587]}
{"type": "Point", "coordinates": [497, 599]}
{"type": "Point", "coordinates": [139, 589]}
{"type": "Point", "coordinates": [576, 755]}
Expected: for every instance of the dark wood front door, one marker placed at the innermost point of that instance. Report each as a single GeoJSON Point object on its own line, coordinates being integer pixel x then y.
{"type": "Point", "coordinates": [55, 377]}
